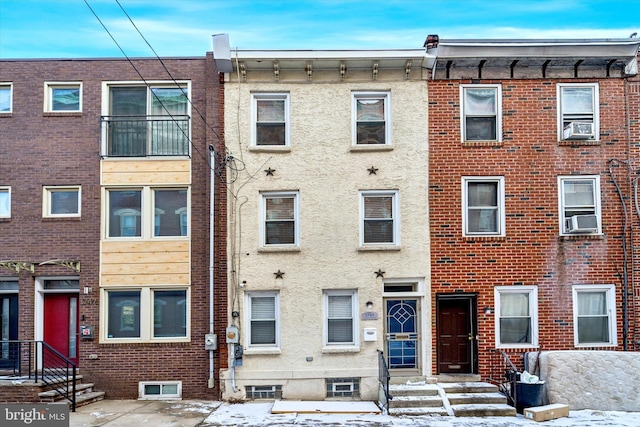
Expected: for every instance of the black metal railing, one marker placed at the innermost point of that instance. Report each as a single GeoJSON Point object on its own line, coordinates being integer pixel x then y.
{"type": "Point", "coordinates": [39, 362]}
{"type": "Point", "coordinates": [504, 374]}
{"type": "Point", "coordinates": [383, 378]}
{"type": "Point", "coordinates": [141, 136]}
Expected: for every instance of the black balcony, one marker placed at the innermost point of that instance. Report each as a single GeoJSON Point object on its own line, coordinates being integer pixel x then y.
{"type": "Point", "coordinates": [142, 136]}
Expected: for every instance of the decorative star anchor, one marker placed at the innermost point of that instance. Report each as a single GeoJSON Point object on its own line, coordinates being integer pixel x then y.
{"type": "Point", "coordinates": [379, 273]}
{"type": "Point", "coordinates": [372, 170]}
{"type": "Point", "coordinates": [269, 171]}
{"type": "Point", "coordinates": [279, 274]}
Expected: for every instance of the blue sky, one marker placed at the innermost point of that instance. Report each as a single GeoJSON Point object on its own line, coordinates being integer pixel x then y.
{"type": "Point", "coordinates": [68, 28]}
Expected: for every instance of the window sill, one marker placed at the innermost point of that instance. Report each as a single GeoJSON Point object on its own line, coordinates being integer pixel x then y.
{"type": "Point", "coordinates": [472, 144]}
{"type": "Point", "coordinates": [5, 219]}
{"type": "Point", "coordinates": [373, 248]}
{"type": "Point", "coordinates": [262, 351]}
{"type": "Point", "coordinates": [153, 157]}
{"type": "Point", "coordinates": [270, 149]}
{"type": "Point", "coordinates": [596, 346]}
{"type": "Point", "coordinates": [139, 341]}
{"type": "Point", "coordinates": [9, 114]}
{"type": "Point", "coordinates": [578, 142]}
{"type": "Point", "coordinates": [581, 237]}
{"type": "Point", "coordinates": [62, 114]}
{"type": "Point", "coordinates": [472, 239]}
{"type": "Point", "coordinates": [337, 350]}
{"type": "Point", "coordinates": [372, 147]}
{"type": "Point", "coordinates": [61, 218]}
{"type": "Point", "coordinates": [265, 249]}
{"type": "Point", "coordinates": [524, 346]}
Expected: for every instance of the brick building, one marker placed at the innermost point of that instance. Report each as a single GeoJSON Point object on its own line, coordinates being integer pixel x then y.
{"type": "Point", "coordinates": [105, 220]}
{"type": "Point", "coordinates": [530, 169]}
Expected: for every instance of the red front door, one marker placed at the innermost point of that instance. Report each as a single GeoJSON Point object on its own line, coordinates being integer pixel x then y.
{"type": "Point", "coordinates": [61, 330]}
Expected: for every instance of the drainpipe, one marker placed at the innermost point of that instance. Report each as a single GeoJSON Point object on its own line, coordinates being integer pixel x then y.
{"type": "Point", "coordinates": [211, 381]}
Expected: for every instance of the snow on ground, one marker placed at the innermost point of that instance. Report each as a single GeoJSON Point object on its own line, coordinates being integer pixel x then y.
{"type": "Point", "coordinates": [259, 415]}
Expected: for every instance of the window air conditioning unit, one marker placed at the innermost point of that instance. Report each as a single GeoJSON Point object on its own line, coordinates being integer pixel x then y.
{"type": "Point", "coordinates": [582, 224]}
{"type": "Point", "coordinates": [578, 130]}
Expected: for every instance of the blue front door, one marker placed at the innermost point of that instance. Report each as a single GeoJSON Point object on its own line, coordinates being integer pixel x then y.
{"type": "Point", "coordinates": [402, 334]}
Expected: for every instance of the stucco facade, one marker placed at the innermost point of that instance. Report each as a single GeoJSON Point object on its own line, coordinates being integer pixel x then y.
{"type": "Point", "coordinates": [326, 172]}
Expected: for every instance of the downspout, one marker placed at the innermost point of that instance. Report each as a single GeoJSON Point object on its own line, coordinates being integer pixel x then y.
{"type": "Point", "coordinates": [211, 382]}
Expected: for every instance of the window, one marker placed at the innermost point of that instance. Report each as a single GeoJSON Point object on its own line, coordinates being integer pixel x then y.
{"type": "Point", "coordinates": [147, 314]}
{"type": "Point", "coordinates": [264, 391]}
{"type": "Point", "coordinates": [6, 97]}
{"type": "Point", "coordinates": [371, 118]}
{"type": "Point", "coordinates": [129, 215]}
{"type": "Point", "coordinates": [63, 97]}
{"type": "Point", "coordinates": [340, 308]}
{"type": "Point", "coordinates": [270, 117]}
{"type": "Point", "coordinates": [5, 202]}
{"type": "Point", "coordinates": [594, 315]}
{"type": "Point", "coordinates": [481, 112]}
{"type": "Point", "coordinates": [281, 224]}
{"type": "Point", "coordinates": [578, 112]}
{"type": "Point", "coordinates": [343, 387]}
{"type": "Point", "coordinates": [263, 313]}
{"type": "Point", "coordinates": [146, 120]}
{"type": "Point", "coordinates": [579, 204]}
{"type": "Point", "coordinates": [483, 206]}
{"type": "Point", "coordinates": [379, 216]}
{"type": "Point", "coordinates": [517, 316]}
{"type": "Point", "coordinates": [150, 390]}
{"type": "Point", "coordinates": [61, 202]}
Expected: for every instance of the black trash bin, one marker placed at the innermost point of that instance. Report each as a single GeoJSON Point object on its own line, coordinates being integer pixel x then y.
{"type": "Point", "coordinates": [528, 395]}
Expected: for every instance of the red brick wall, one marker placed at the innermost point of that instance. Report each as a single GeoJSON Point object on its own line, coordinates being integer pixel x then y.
{"type": "Point", "coordinates": [39, 150]}
{"type": "Point", "coordinates": [532, 253]}
{"type": "Point", "coordinates": [633, 112]}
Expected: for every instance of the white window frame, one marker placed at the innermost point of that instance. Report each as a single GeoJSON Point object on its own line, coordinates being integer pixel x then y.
{"type": "Point", "coordinates": [9, 86]}
{"type": "Point", "coordinates": [463, 113]}
{"type": "Point", "coordinates": [595, 105]}
{"type": "Point", "coordinates": [49, 87]}
{"type": "Point", "coordinates": [561, 205]}
{"type": "Point", "coordinates": [386, 97]}
{"type": "Point", "coordinates": [6, 190]}
{"type": "Point", "coordinates": [146, 314]}
{"type": "Point", "coordinates": [249, 318]}
{"type": "Point", "coordinates": [148, 213]}
{"type": "Point", "coordinates": [277, 96]}
{"type": "Point", "coordinates": [142, 395]}
{"type": "Point", "coordinates": [610, 292]}
{"type": "Point", "coordinates": [501, 220]}
{"type": "Point", "coordinates": [532, 292]}
{"type": "Point", "coordinates": [48, 190]}
{"type": "Point", "coordinates": [296, 218]}
{"type": "Point", "coordinates": [395, 213]}
{"type": "Point", "coordinates": [353, 293]}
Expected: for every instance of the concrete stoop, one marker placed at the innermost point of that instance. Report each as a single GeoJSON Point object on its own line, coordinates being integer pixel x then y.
{"type": "Point", "coordinates": [84, 394]}
{"type": "Point", "coordinates": [460, 399]}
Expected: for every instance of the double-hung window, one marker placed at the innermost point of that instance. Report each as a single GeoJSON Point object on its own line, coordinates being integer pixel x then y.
{"type": "Point", "coordinates": [147, 212]}
{"type": "Point", "coordinates": [146, 314]}
{"type": "Point", "coordinates": [579, 204]}
{"type": "Point", "coordinates": [379, 216]}
{"type": "Point", "coordinates": [6, 98]}
{"type": "Point", "coordinates": [594, 315]}
{"type": "Point", "coordinates": [517, 316]}
{"type": "Point", "coordinates": [340, 314]}
{"type": "Point", "coordinates": [270, 118]}
{"type": "Point", "coordinates": [5, 202]}
{"type": "Point", "coordinates": [483, 210]}
{"type": "Point", "coordinates": [371, 118]}
{"type": "Point", "coordinates": [280, 225]}
{"type": "Point", "coordinates": [146, 120]}
{"type": "Point", "coordinates": [578, 111]}
{"type": "Point", "coordinates": [263, 315]}
{"type": "Point", "coordinates": [481, 107]}
{"type": "Point", "coordinates": [63, 97]}
{"type": "Point", "coordinates": [61, 201]}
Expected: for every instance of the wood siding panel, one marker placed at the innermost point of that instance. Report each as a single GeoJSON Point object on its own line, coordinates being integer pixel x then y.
{"type": "Point", "coordinates": [146, 172]}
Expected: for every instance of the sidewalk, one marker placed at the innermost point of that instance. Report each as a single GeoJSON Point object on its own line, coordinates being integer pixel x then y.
{"type": "Point", "coordinates": [190, 413]}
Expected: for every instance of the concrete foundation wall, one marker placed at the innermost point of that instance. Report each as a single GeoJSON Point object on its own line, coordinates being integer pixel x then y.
{"type": "Point", "coordinates": [602, 380]}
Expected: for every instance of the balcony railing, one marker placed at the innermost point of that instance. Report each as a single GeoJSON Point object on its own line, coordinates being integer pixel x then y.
{"type": "Point", "coordinates": [141, 136]}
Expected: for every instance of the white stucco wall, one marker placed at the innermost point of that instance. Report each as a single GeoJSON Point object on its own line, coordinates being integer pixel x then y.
{"type": "Point", "coordinates": [328, 174]}
{"type": "Point", "coordinates": [599, 380]}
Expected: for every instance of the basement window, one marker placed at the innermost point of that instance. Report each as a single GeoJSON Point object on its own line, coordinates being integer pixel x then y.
{"type": "Point", "coordinates": [264, 391]}
{"type": "Point", "coordinates": [160, 390]}
{"type": "Point", "coordinates": [343, 387]}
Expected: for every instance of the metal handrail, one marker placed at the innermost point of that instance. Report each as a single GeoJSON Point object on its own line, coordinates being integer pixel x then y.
{"type": "Point", "coordinates": [507, 378]}
{"type": "Point", "coordinates": [383, 378]}
{"type": "Point", "coordinates": [40, 362]}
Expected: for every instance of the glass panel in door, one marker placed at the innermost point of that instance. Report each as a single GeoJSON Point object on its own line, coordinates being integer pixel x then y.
{"type": "Point", "coordinates": [402, 335]}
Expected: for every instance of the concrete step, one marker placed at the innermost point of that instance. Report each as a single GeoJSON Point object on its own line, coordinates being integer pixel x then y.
{"type": "Point", "coordinates": [87, 398]}
{"type": "Point", "coordinates": [476, 398]}
{"type": "Point", "coordinates": [80, 388]}
{"type": "Point", "coordinates": [424, 410]}
{"type": "Point", "coordinates": [469, 387]}
{"type": "Point", "coordinates": [415, 401]}
{"type": "Point", "coordinates": [413, 389]}
{"type": "Point", "coordinates": [457, 378]}
{"type": "Point", "coordinates": [481, 410]}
